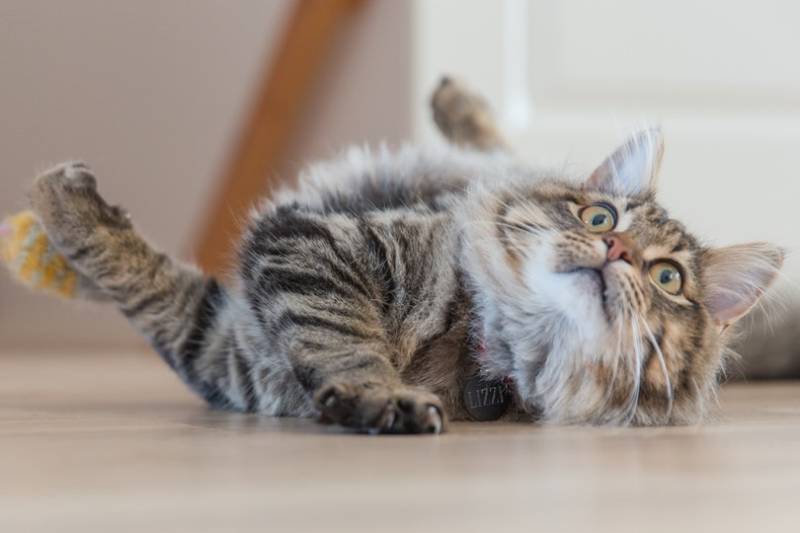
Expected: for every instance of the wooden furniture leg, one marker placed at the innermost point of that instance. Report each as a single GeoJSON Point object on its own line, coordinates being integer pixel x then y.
{"type": "Point", "coordinates": [262, 141]}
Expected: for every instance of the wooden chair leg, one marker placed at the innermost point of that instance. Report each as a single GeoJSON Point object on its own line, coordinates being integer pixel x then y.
{"type": "Point", "coordinates": [262, 141]}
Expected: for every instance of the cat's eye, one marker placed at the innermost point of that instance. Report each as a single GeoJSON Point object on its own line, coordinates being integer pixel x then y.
{"type": "Point", "coordinates": [599, 218]}
{"type": "Point", "coordinates": [667, 276]}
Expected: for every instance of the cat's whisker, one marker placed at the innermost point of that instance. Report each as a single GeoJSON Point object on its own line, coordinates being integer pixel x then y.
{"type": "Point", "coordinates": [731, 357]}
{"type": "Point", "coordinates": [664, 369]}
{"type": "Point", "coordinates": [637, 369]}
{"type": "Point", "coordinates": [616, 356]}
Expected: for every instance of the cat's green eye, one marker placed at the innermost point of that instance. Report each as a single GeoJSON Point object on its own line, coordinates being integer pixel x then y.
{"type": "Point", "coordinates": [599, 218]}
{"type": "Point", "coordinates": [667, 276]}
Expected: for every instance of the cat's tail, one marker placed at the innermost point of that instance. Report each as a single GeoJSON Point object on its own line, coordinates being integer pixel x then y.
{"type": "Point", "coordinates": [32, 260]}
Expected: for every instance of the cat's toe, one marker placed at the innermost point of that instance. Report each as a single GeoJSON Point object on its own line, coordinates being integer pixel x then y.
{"type": "Point", "coordinates": [418, 411]}
{"type": "Point", "coordinates": [333, 401]}
{"type": "Point", "coordinates": [78, 174]}
{"type": "Point", "coordinates": [347, 405]}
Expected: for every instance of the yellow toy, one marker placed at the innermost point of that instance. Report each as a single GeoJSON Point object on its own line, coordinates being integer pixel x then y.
{"type": "Point", "coordinates": [33, 260]}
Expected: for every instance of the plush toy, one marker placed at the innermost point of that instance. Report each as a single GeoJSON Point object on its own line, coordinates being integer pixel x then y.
{"type": "Point", "coordinates": [33, 260]}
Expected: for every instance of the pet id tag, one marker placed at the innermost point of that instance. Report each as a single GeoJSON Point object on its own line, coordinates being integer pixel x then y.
{"type": "Point", "coordinates": [486, 399]}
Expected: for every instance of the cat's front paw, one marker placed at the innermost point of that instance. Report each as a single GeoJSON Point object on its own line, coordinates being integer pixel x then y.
{"type": "Point", "coordinates": [66, 200]}
{"type": "Point", "coordinates": [380, 409]}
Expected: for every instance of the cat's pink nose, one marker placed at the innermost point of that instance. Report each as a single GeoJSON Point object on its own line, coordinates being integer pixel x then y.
{"type": "Point", "coordinates": [620, 248]}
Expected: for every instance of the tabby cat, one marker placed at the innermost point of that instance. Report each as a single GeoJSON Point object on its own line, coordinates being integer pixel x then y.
{"type": "Point", "coordinates": [392, 291]}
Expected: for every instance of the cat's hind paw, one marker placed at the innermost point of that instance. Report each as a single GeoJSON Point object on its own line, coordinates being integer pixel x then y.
{"type": "Point", "coordinates": [464, 117]}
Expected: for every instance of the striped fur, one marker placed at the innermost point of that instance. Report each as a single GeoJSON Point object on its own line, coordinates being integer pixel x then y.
{"type": "Point", "coordinates": [360, 296]}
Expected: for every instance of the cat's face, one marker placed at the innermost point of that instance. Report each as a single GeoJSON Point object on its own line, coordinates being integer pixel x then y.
{"type": "Point", "coordinates": [601, 307]}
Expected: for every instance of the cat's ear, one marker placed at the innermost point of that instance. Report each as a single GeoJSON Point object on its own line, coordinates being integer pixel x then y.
{"type": "Point", "coordinates": [633, 168]}
{"type": "Point", "coordinates": [735, 277]}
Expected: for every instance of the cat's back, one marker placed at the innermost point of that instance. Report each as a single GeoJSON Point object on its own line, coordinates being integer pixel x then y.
{"type": "Point", "coordinates": [365, 180]}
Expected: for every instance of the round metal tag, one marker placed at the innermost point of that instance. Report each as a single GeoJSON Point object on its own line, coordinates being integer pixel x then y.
{"type": "Point", "coordinates": [486, 400]}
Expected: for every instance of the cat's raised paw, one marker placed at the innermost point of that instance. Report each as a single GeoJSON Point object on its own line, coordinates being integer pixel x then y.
{"type": "Point", "coordinates": [74, 175]}
{"type": "Point", "coordinates": [66, 200]}
{"type": "Point", "coordinates": [377, 409]}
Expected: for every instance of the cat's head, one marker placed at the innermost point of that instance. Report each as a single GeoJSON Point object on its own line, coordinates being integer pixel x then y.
{"type": "Point", "coordinates": [601, 307]}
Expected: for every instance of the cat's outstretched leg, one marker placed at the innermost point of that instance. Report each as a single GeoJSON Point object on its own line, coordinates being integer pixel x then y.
{"type": "Point", "coordinates": [464, 117]}
{"type": "Point", "coordinates": [100, 242]}
{"type": "Point", "coordinates": [319, 288]}
{"type": "Point", "coordinates": [170, 303]}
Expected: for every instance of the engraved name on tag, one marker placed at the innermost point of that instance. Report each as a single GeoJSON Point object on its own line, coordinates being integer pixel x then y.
{"type": "Point", "coordinates": [486, 400]}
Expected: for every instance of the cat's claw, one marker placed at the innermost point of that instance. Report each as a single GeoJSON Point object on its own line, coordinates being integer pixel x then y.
{"type": "Point", "coordinates": [434, 421]}
{"type": "Point", "coordinates": [388, 418]}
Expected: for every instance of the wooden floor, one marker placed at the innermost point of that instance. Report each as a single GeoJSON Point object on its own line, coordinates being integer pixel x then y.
{"type": "Point", "coordinates": [115, 444]}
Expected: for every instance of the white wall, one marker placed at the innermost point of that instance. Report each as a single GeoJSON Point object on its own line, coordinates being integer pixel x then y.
{"type": "Point", "coordinates": [150, 93]}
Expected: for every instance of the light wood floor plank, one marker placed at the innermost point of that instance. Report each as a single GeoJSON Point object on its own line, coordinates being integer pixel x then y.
{"type": "Point", "coordinates": [115, 443]}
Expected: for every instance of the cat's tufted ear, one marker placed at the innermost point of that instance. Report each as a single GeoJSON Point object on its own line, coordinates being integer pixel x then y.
{"type": "Point", "coordinates": [735, 277]}
{"type": "Point", "coordinates": [632, 169]}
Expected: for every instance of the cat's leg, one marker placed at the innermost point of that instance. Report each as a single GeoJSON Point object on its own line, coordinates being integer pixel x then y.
{"type": "Point", "coordinates": [312, 284]}
{"type": "Point", "coordinates": [179, 310]}
{"type": "Point", "coordinates": [464, 117]}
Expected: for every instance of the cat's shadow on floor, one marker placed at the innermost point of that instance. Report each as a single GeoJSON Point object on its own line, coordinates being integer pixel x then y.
{"type": "Point", "coordinates": [254, 423]}
{"type": "Point", "coordinates": [244, 423]}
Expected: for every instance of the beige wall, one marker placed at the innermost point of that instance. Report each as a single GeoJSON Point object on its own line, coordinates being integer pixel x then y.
{"type": "Point", "coordinates": [150, 93]}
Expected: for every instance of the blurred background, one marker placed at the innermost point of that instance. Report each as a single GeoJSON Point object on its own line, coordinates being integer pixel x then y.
{"type": "Point", "coordinates": [156, 95]}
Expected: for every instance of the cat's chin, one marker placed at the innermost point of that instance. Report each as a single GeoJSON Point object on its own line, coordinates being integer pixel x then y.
{"type": "Point", "coordinates": [590, 283]}
{"type": "Point", "coordinates": [578, 295]}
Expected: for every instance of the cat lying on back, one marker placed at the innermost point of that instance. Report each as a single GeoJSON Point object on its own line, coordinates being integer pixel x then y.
{"type": "Point", "coordinates": [395, 290]}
